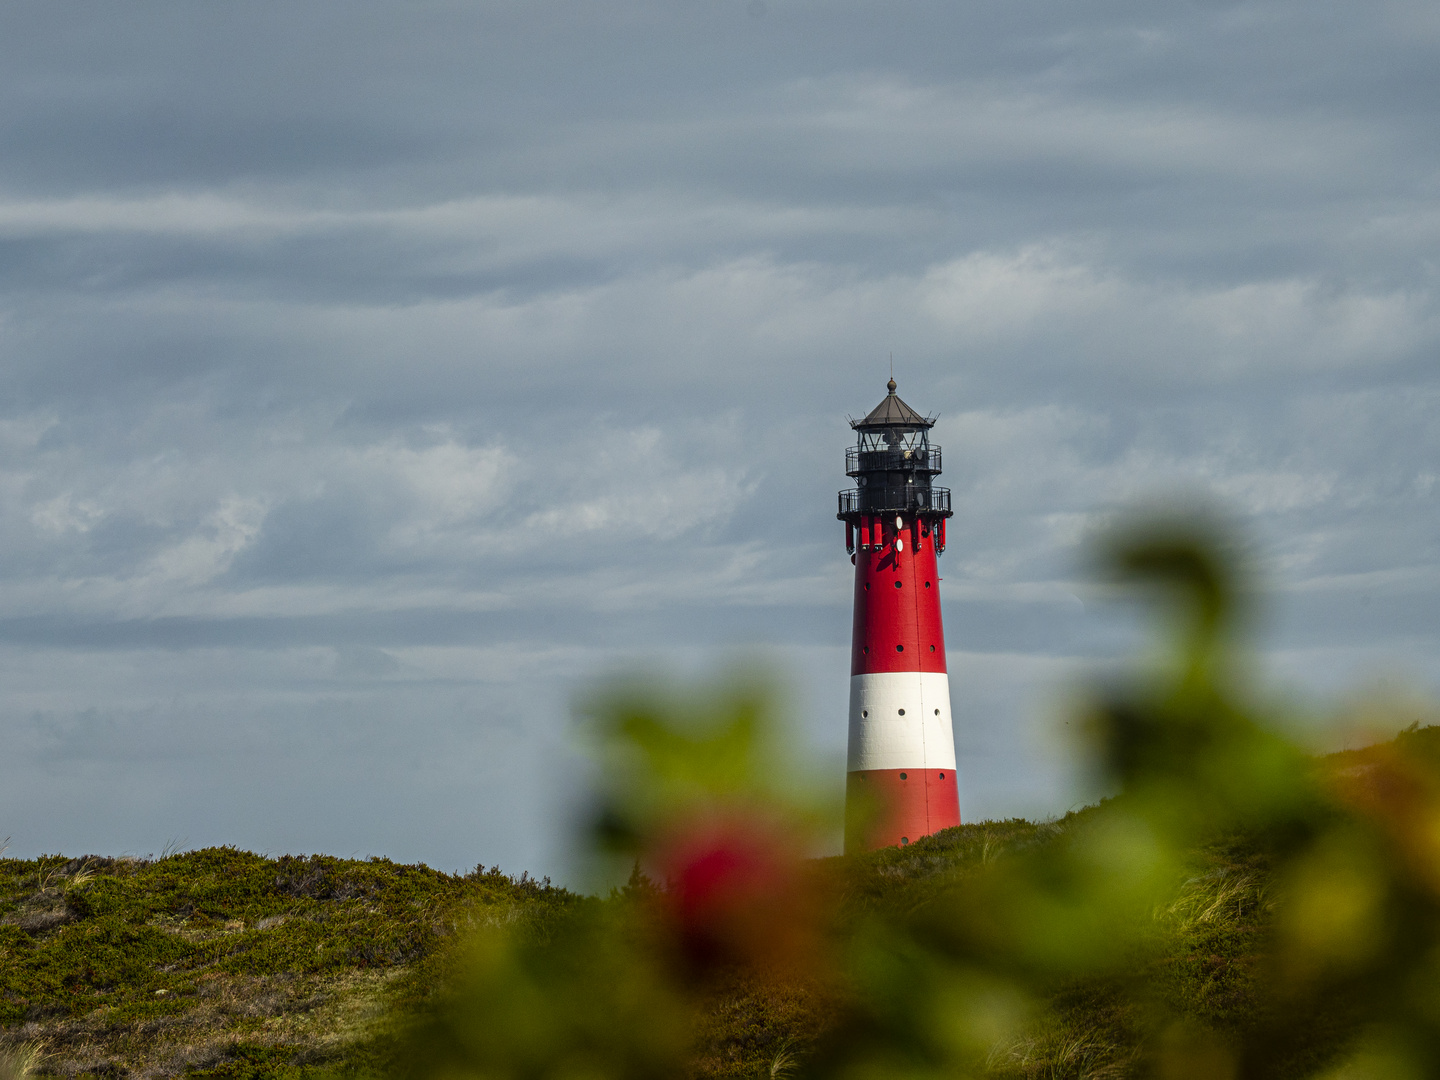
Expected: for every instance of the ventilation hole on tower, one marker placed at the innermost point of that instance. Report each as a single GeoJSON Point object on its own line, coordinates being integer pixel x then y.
{"type": "Point", "coordinates": [904, 840]}
{"type": "Point", "coordinates": [899, 648]}
{"type": "Point", "coordinates": [904, 777]}
{"type": "Point", "coordinates": [937, 712]}
{"type": "Point", "coordinates": [932, 648]}
{"type": "Point", "coordinates": [864, 713]}
{"type": "Point", "coordinates": [897, 584]}
{"type": "Point", "coordinates": [902, 712]}
{"type": "Point", "coordinates": [927, 584]}
{"type": "Point", "coordinates": [942, 776]}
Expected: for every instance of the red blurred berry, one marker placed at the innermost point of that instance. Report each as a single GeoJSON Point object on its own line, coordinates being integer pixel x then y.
{"type": "Point", "coordinates": [736, 891]}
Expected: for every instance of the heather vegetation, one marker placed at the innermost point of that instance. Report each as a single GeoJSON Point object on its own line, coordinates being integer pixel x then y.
{"type": "Point", "coordinates": [229, 964]}
{"type": "Point", "coordinates": [221, 962]}
{"type": "Point", "coordinates": [1238, 908]}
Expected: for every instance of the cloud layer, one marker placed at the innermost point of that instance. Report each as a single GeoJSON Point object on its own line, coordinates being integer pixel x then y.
{"type": "Point", "coordinates": [372, 379]}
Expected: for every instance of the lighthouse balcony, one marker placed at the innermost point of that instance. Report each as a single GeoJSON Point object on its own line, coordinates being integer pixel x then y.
{"type": "Point", "coordinates": [921, 459]}
{"type": "Point", "coordinates": [924, 502]}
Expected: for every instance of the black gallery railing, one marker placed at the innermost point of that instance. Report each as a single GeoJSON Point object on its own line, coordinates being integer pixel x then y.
{"type": "Point", "coordinates": [935, 500]}
{"type": "Point", "coordinates": [926, 460]}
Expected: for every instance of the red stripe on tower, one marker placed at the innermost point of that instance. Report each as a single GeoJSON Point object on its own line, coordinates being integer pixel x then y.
{"type": "Point", "coordinates": [900, 782]}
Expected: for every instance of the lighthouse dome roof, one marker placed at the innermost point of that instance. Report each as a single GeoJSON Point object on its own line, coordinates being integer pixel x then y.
{"type": "Point", "coordinates": [892, 412]}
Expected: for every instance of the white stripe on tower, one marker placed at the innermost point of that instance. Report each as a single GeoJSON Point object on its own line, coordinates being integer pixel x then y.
{"type": "Point", "coordinates": [900, 720]}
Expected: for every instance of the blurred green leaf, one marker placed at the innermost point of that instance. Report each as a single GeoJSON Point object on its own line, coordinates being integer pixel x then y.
{"type": "Point", "coordinates": [1235, 909]}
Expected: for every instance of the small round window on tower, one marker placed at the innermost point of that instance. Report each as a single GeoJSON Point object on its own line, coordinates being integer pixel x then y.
{"type": "Point", "coordinates": [904, 777]}
{"type": "Point", "coordinates": [927, 584]}
{"type": "Point", "coordinates": [864, 713]}
{"type": "Point", "coordinates": [899, 648]}
{"type": "Point", "coordinates": [932, 648]}
{"type": "Point", "coordinates": [904, 840]}
{"type": "Point", "coordinates": [897, 584]}
{"type": "Point", "coordinates": [937, 712]}
{"type": "Point", "coordinates": [902, 713]}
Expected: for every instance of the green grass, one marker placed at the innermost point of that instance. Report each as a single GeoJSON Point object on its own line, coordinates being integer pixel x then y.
{"type": "Point", "coordinates": [1210, 940]}
{"type": "Point", "coordinates": [1209, 948]}
{"type": "Point", "coordinates": [225, 963]}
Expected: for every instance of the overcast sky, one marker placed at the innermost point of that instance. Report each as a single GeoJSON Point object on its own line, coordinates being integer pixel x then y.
{"type": "Point", "coordinates": [375, 376]}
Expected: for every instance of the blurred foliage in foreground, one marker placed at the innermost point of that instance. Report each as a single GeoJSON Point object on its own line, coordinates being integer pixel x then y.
{"type": "Point", "coordinates": [1236, 909]}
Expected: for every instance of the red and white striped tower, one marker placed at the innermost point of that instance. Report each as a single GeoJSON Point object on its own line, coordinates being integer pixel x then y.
{"type": "Point", "coordinates": [902, 751]}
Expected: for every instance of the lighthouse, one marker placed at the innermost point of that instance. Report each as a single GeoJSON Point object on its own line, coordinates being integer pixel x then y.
{"type": "Point", "coordinates": [900, 775]}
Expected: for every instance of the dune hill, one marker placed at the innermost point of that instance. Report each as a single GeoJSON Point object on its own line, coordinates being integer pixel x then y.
{"type": "Point", "coordinates": [224, 963]}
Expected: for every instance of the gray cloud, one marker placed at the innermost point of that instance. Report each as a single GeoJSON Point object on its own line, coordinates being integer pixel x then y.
{"type": "Point", "coordinates": [373, 379]}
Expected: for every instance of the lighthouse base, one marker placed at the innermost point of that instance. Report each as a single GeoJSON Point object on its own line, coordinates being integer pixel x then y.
{"type": "Point", "coordinates": [889, 807]}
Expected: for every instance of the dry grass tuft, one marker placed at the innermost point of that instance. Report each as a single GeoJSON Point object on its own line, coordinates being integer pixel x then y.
{"type": "Point", "coordinates": [21, 1061]}
{"type": "Point", "coordinates": [1222, 895]}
